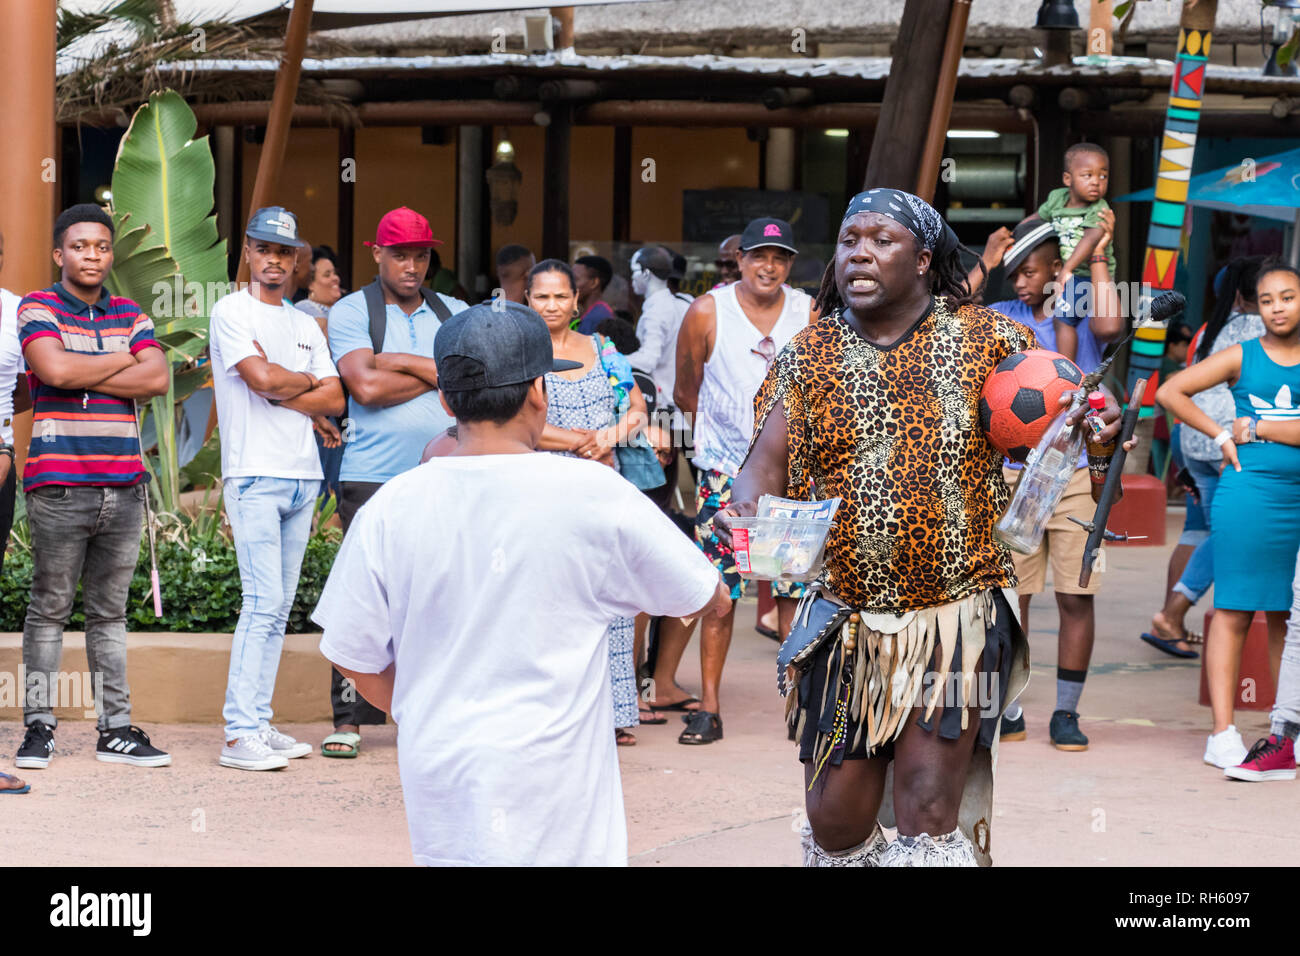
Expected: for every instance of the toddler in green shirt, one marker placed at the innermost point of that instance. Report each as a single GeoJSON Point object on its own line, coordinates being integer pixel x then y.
{"type": "Point", "coordinates": [1075, 209]}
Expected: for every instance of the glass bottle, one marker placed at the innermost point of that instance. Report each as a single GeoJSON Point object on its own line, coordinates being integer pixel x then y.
{"type": "Point", "coordinates": [1099, 454]}
{"type": "Point", "coordinates": [1048, 469]}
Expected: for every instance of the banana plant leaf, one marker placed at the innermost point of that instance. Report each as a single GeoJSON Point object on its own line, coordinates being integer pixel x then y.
{"type": "Point", "coordinates": [164, 177]}
{"type": "Point", "coordinates": [170, 259]}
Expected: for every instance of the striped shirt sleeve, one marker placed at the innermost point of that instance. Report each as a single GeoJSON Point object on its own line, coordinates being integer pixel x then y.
{"type": "Point", "coordinates": [142, 334]}
{"type": "Point", "coordinates": [35, 321]}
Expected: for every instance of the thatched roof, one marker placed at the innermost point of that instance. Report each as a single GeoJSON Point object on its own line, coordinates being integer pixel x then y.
{"type": "Point", "coordinates": [725, 26]}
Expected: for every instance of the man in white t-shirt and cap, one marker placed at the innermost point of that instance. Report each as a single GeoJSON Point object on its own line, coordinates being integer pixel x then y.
{"type": "Point", "coordinates": [272, 375]}
{"type": "Point", "coordinates": [728, 341]}
{"type": "Point", "coordinates": [477, 616]}
{"type": "Point", "coordinates": [661, 319]}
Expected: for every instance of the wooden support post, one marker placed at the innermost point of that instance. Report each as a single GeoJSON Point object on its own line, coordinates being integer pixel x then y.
{"type": "Point", "coordinates": [28, 170]}
{"type": "Point", "coordinates": [1101, 26]}
{"type": "Point", "coordinates": [469, 221]}
{"type": "Point", "coordinates": [564, 27]}
{"type": "Point", "coordinates": [622, 225]}
{"type": "Point", "coordinates": [277, 127]}
{"type": "Point", "coordinates": [937, 133]}
{"type": "Point", "coordinates": [899, 142]}
{"type": "Point", "coordinates": [555, 184]}
{"type": "Point", "coordinates": [347, 213]}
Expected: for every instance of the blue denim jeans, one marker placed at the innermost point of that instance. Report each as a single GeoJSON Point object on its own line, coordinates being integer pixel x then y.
{"type": "Point", "coordinates": [271, 521]}
{"type": "Point", "coordinates": [1198, 575]}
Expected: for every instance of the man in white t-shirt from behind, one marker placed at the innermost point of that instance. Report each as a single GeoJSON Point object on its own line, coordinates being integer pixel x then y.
{"type": "Point", "coordinates": [471, 600]}
{"type": "Point", "coordinates": [272, 375]}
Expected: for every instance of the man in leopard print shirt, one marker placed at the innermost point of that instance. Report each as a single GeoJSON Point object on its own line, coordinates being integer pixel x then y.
{"type": "Point", "coordinates": [876, 403]}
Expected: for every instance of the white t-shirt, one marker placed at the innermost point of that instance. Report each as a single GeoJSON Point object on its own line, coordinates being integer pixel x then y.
{"type": "Point", "coordinates": [11, 361]}
{"type": "Point", "coordinates": [491, 581]}
{"type": "Point", "coordinates": [258, 438]}
{"type": "Point", "coordinates": [661, 319]}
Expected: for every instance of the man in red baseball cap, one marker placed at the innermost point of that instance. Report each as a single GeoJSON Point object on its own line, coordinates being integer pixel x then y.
{"type": "Point", "coordinates": [381, 339]}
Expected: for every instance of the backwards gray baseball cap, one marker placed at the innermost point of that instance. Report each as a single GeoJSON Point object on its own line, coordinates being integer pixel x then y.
{"type": "Point", "coordinates": [275, 224]}
{"type": "Point", "coordinates": [488, 345]}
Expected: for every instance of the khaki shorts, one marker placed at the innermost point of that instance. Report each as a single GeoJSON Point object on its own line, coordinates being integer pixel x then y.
{"type": "Point", "coordinates": [1063, 543]}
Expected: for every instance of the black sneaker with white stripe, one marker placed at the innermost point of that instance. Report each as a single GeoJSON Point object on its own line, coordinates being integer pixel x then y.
{"type": "Point", "coordinates": [38, 745]}
{"type": "Point", "coordinates": [130, 745]}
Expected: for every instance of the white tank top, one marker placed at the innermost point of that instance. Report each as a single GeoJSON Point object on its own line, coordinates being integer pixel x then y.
{"type": "Point", "coordinates": [724, 420]}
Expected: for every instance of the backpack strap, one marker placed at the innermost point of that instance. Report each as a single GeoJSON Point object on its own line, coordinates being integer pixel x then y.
{"type": "Point", "coordinates": [378, 312]}
{"type": "Point", "coordinates": [435, 302]}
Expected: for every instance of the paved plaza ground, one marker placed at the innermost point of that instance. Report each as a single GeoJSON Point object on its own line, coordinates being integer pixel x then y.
{"type": "Point", "coordinates": [1139, 796]}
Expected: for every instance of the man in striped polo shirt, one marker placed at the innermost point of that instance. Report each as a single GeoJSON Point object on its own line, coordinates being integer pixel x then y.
{"type": "Point", "coordinates": [90, 355]}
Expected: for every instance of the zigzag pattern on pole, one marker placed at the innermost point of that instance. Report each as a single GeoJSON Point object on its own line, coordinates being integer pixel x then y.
{"type": "Point", "coordinates": [1168, 212]}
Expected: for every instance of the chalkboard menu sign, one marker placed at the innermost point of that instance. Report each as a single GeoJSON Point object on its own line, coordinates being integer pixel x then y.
{"type": "Point", "coordinates": [710, 215]}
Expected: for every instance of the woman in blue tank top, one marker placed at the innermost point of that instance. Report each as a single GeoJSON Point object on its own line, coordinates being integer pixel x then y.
{"type": "Point", "coordinates": [1256, 509]}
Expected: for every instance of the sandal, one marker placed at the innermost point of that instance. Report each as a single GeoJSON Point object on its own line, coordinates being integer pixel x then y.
{"type": "Point", "coordinates": [655, 718]}
{"type": "Point", "coordinates": [351, 740]}
{"type": "Point", "coordinates": [768, 633]}
{"type": "Point", "coordinates": [702, 727]}
{"type": "Point", "coordinates": [681, 705]}
{"type": "Point", "coordinates": [1170, 647]}
{"type": "Point", "coordinates": [7, 779]}
{"type": "Point", "coordinates": [624, 738]}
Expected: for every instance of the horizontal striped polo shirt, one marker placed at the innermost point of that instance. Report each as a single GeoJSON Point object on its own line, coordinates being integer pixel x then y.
{"type": "Point", "coordinates": [82, 437]}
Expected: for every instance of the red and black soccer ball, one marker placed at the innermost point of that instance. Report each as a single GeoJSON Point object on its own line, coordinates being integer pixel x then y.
{"type": "Point", "coordinates": [1023, 396]}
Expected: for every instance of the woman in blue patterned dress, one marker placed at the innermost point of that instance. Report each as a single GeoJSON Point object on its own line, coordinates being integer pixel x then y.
{"type": "Point", "coordinates": [581, 422]}
{"type": "Point", "coordinates": [1256, 509]}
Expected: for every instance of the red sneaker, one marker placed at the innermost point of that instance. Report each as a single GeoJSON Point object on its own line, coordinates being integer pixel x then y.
{"type": "Point", "coordinates": [1272, 758]}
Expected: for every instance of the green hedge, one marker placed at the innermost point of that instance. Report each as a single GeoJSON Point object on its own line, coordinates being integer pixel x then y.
{"type": "Point", "coordinates": [200, 588]}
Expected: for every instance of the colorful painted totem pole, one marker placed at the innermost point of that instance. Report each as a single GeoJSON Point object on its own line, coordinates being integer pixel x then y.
{"type": "Point", "coordinates": [1177, 147]}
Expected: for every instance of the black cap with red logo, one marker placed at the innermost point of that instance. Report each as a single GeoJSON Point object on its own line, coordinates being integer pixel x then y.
{"type": "Point", "coordinates": [768, 232]}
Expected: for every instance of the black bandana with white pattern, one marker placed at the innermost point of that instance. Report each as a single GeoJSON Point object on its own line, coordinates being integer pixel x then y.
{"type": "Point", "coordinates": [914, 213]}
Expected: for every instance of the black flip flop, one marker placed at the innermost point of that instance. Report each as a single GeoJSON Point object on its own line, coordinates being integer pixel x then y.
{"type": "Point", "coordinates": [681, 706]}
{"type": "Point", "coordinates": [1169, 647]}
{"type": "Point", "coordinates": [704, 726]}
{"type": "Point", "coordinates": [656, 718]}
{"type": "Point", "coordinates": [768, 632]}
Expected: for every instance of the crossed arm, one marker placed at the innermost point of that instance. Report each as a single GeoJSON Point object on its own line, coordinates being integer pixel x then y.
{"type": "Point", "coordinates": [389, 378]}
{"type": "Point", "coordinates": [141, 375]}
{"type": "Point", "coordinates": [299, 391]}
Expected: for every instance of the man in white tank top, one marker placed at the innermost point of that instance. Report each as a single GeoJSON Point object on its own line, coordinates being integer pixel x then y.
{"type": "Point", "coordinates": [728, 340]}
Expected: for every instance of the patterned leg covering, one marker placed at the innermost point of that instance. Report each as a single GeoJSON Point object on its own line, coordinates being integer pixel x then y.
{"type": "Point", "coordinates": [867, 853]}
{"type": "Point", "coordinates": [951, 849]}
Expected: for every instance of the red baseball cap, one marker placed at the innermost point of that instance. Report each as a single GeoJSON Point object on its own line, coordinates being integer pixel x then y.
{"type": "Point", "coordinates": [404, 227]}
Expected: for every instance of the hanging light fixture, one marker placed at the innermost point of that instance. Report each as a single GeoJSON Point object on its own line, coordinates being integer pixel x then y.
{"type": "Point", "coordinates": [503, 179]}
{"type": "Point", "coordinates": [1057, 15]}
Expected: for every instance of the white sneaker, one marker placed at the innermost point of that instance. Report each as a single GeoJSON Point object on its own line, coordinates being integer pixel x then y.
{"type": "Point", "coordinates": [283, 744]}
{"type": "Point", "coordinates": [250, 753]}
{"type": "Point", "coordinates": [1225, 749]}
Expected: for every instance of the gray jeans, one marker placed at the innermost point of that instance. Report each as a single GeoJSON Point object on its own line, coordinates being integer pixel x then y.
{"type": "Point", "coordinates": [1286, 707]}
{"type": "Point", "coordinates": [89, 534]}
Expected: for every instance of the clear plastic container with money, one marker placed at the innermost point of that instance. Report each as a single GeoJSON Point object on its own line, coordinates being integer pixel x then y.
{"type": "Point", "coordinates": [779, 549]}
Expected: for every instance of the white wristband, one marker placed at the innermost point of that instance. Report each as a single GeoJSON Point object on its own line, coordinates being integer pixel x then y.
{"type": "Point", "coordinates": [1222, 438]}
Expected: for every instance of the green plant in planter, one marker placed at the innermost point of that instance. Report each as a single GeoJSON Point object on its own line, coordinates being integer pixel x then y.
{"type": "Point", "coordinates": [169, 258]}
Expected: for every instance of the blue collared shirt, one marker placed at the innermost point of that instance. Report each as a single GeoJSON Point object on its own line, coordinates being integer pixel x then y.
{"type": "Point", "coordinates": [380, 443]}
